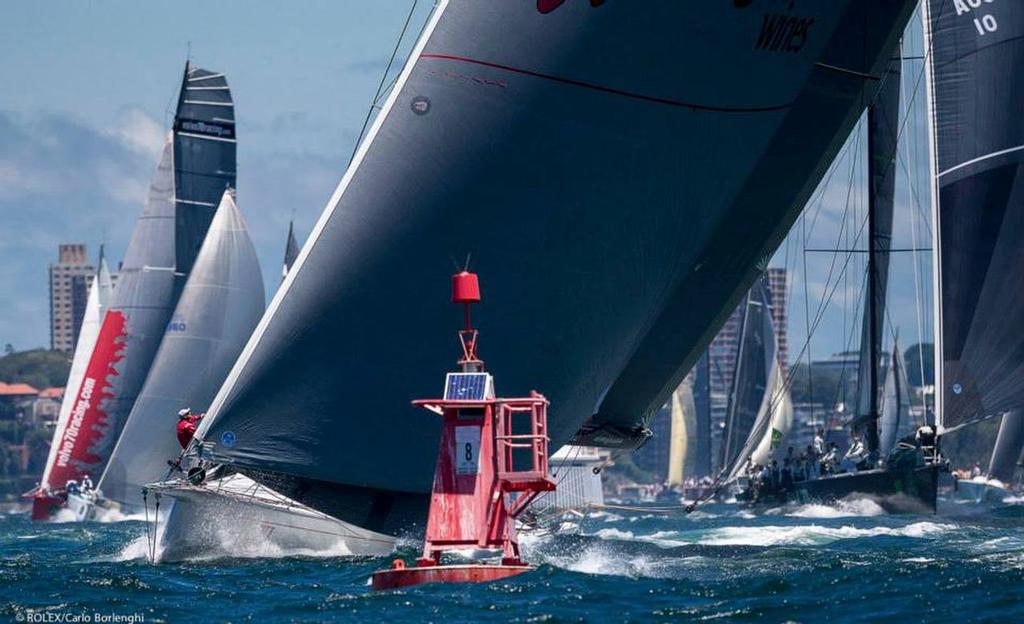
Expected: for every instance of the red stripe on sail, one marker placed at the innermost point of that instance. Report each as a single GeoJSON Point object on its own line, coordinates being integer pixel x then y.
{"type": "Point", "coordinates": [89, 423]}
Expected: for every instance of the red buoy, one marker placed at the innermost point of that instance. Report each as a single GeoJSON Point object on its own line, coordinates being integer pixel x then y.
{"type": "Point", "coordinates": [478, 490]}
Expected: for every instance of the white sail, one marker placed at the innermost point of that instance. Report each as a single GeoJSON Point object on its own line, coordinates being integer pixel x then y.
{"type": "Point", "coordinates": [99, 298]}
{"type": "Point", "coordinates": [683, 410]}
{"type": "Point", "coordinates": [777, 410]}
{"type": "Point", "coordinates": [220, 305]}
{"type": "Point", "coordinates": [760, 382]}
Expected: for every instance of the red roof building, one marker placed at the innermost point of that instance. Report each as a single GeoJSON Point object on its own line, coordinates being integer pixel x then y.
{"type": "Point", "coordinates": [17, 390]}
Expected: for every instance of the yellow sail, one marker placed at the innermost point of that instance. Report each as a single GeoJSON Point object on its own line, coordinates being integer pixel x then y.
{"type": "Point", "coordinates": [682, 399]}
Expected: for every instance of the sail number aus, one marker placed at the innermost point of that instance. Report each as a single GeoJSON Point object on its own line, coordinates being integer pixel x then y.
{"type": "Point", "coordinates": [984, 24]}
{"type": "Point", "coordinates": [467, 450]}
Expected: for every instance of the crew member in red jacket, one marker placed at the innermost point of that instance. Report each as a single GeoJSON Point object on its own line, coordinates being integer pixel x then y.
{"type": "Point", "coordinates": [187, 422]}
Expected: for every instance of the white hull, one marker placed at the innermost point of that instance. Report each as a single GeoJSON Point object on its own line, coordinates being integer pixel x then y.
{"type": "Point", "coordinates": [82, 506]}
{"type": "Point", "coordinates": [236, 517]}
{"type": "Point", "coordinates": [981, 490]}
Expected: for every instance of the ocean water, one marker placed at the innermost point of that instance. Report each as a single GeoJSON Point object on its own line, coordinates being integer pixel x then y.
{"type": "Point", "coordinates": [851, 563]}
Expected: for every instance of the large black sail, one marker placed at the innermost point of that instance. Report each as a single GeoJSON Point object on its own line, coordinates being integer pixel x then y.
{"type": "Point", "coordinates": [883, 132]}
{"type": "Point", "coordinates": [615, 196]}
{"type": "Point", "coordinates": [977, 55]}
{"type": "Point", "coordinates": [204, 159]}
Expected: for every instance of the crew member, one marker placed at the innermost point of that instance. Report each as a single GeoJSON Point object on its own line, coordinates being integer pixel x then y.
{"type": "Point", "coordinates": [187, 423]}
{"type": "Point", "coordinates": [819, 442]}
{"type": "Point", "coordinates": [857, 454]}
{"type": "Point", "coordinates": [86, 483]}
{"type": "Point", "coordinates": [829, 461]}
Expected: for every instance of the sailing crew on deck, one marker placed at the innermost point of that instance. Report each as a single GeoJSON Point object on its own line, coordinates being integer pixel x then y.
{"type": "Point", "coordinates": [819, 442]}
{"type": "Point", "coordinates": [831, 459]}
{"type": "Point", "coordinates": [86, 484]}
{"type": "Point", "coordinates": [857, 455]}
{"type": "Point", "coordinates": [187, 423]}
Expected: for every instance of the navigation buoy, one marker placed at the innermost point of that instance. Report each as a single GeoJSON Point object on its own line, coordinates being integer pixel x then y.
{"type": "Point", "coordinates": [479, 491]}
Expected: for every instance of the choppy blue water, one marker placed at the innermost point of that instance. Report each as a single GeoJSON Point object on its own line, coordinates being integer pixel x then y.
{"type": "Point", "coordinates": [805, 564]}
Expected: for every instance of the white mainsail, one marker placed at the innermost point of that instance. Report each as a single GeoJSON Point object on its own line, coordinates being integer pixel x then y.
{"type": "Point", "coordinates": [99, 298]}
{"type": "Point", "coordinates": [220, 305]}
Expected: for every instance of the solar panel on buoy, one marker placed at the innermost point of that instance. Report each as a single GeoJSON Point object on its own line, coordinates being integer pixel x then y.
{"type": "Point", "coordinates": [466, 387]}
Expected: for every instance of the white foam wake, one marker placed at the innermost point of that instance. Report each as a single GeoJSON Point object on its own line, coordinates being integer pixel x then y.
{"type": "Point", "coordinates": [842, 509]}
{"type": "Point", "coordinates": [809, 535]}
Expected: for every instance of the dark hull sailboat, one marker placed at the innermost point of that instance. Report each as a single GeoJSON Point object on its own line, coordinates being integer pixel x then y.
{"type": "Point", "coordinates": [911, 490]}
{"type": "Point", "coordinates": [620, 193]}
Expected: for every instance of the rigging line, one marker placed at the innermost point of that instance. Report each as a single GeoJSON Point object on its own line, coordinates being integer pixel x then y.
{"type": "Point", "coordinates": [864, 251]}
{"type": "Point", "coordinates": [918, 293]}
{"type": "Point", "coordinates": [817, 321]}
{"type": "Point", "coordinates": [915, 198]}
{"type": "Point", "coordinates": [383, 79]}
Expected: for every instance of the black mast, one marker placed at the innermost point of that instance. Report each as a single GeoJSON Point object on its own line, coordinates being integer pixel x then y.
{"type": "Point", "coordinates": [871, 426]}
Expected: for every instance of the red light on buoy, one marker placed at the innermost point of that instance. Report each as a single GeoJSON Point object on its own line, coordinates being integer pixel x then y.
{"type": "Point", "coordinates": [465, 288]}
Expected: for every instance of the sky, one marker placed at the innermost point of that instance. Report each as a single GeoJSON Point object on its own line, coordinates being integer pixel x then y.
{"type": "Point", "coordinates": [88, 93]}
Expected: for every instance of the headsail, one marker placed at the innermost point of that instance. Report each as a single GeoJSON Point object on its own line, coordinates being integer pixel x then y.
{"type": "Point", "coordinates": [1009, 446]}
{"type": "Point", "coordinates": [894, 419]}
{"type": "Point", "coordinates": [508, 128]}
{"type": "Point", "coordinates": [883, 132]}
{"type": "Point", "coordinates": [291, 251]}
{"type": "Point", "coordinates": [750, 376]}
{"type": "Point", "coordinates": [682, 433]}
{"type": "Point", "coordinates": [760, 408]}
{"type": "Point", "coordinates": [220, 305]}
{"type": "Point", "coordinates": [100, 295]}
{"type": "Point", "coordinates": [977, 53]}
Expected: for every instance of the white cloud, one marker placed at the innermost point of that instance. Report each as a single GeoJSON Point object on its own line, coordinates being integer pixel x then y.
{"type": "Point", "coordinates": [139, 132]}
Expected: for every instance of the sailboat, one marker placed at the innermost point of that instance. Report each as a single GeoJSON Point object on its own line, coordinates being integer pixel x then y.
{"type": "Point", "coordinates": [979, 214]}
{"type": "Point", "coordinates": [219, 307]}
{"type": "Point", "coordinates": [196, 164]}
{"type": "Point", "coordinates": [59, 468]}
{"type": "Point", "coordinates": [900, 476]}
{"type": "Point", "coordinates": [618, 200]}
{"type": "Point", "coordinates": [760, 412]}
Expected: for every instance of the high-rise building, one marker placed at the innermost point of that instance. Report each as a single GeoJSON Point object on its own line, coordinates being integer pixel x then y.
{"type": "Point", "coordinates": [70, 279]}
{"type": "Point", "coordinates": [780, 316]}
